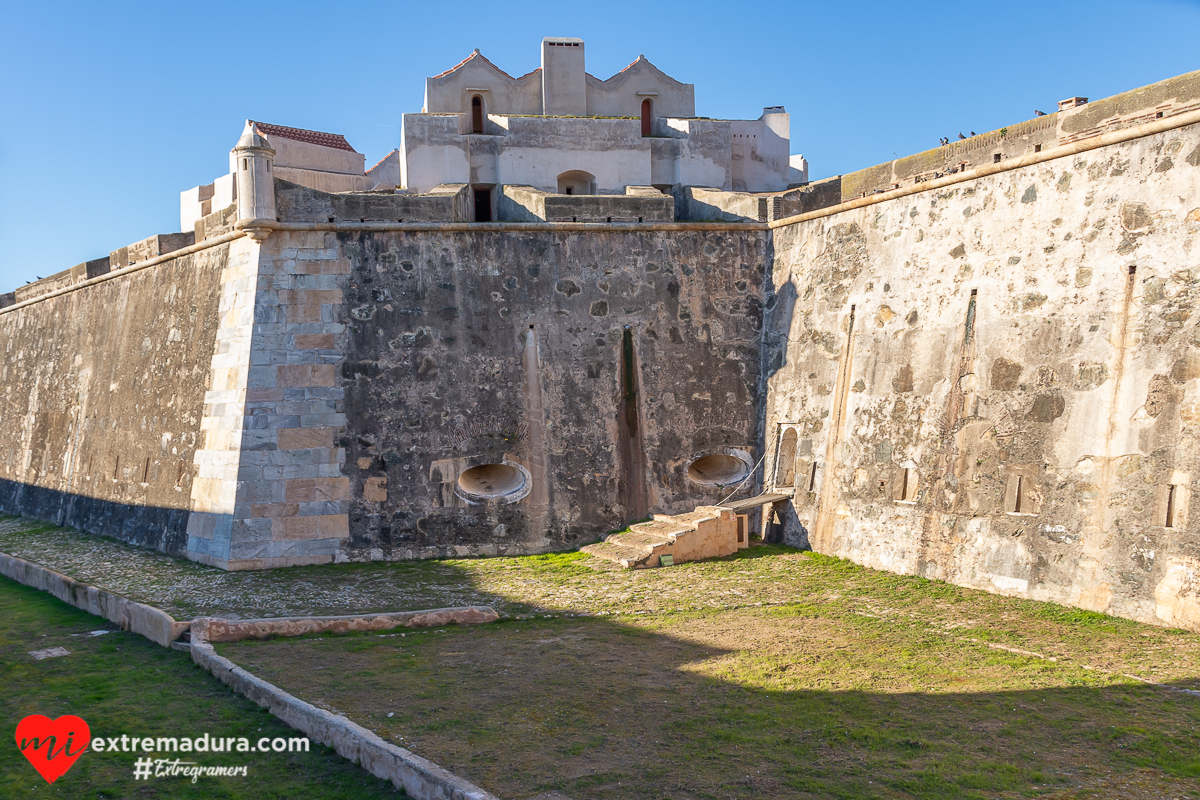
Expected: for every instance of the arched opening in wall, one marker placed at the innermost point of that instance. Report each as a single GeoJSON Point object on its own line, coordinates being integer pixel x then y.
{"type": "Point", "coordinates": [576, 181]}
{"type": "Point", "coordinates": [718, 469]}
{"type": "Point", "coordinates": [491, 481]}
{"type": "Point", "coordinates": [647, 117]}
{"type": "Point", "coordinates": [785, 460]}
{"type": "Point", "coordinates": [476, 114]}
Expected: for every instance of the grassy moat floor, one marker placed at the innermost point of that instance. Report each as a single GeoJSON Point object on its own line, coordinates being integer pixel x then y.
{"type": "Point", "coordinates": [772, 673]}
{"type": "Point", "coordinates": [123, 684]}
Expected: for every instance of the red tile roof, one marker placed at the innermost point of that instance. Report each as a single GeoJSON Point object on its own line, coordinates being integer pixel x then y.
{"type": "Point", "coordinates": [334, 140]}
{"type": "Point", "coordinates": [385, 158]}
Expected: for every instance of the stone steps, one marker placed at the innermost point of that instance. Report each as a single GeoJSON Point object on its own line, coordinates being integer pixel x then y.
{"type": "Point", "coordinates": [702, 533]}
{"type": "Point", "coordinates": [627, 556]}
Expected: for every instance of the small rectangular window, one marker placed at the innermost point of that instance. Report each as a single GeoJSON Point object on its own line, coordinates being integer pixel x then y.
{"type": "Point", "coordinates": [904, 489]}
{"type": "Point", "coordinates": [996, 158]}
{"type": "Point", "coordinates": [1037, 148]}
{"type": "Point", "coordinates": [1022, 496]}
{"type": "Point", "coordinates": [1172, 506]}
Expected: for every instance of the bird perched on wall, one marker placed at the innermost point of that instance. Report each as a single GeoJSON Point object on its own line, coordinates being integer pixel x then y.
{"type": "Point", "coordinates": [973, 133]}
{"type": "Point", "coordinates": [943, 141]}
{"type": "Point", "coordinates": [960, 136]}
{"type": "Point", "coordinates": [1039, 113]}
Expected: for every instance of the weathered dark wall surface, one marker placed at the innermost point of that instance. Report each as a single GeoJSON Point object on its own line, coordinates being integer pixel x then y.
{"type": "Point", "coordinates": [998, 383]}
{"type": "Point", "coordinates": [602, 363]}
{"type": "Point", "coordinates": [101, 395]}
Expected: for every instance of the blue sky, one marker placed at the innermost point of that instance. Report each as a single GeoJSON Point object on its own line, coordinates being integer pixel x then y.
{"type": "Point", "coordinates": [110, 110]}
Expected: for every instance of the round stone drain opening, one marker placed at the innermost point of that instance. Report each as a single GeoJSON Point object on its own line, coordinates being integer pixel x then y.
{"type": "Point", "coordinates": [718, 469]}
{"type": "Point", "coordinates": [491, 480]}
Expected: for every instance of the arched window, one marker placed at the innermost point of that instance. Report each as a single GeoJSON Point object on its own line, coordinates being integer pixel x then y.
{"type": "Point", "coordinates": [476, 114]}
{"type": "Point", "coordinates": [647, 117]}
{"type": "Point", "coordinates": [785, 461]}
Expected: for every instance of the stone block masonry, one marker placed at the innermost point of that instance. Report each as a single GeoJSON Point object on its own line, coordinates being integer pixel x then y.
{"type": "Point", "coordinates": [274, 493]}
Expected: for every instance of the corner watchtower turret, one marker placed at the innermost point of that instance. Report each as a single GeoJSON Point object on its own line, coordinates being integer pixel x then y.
{"type": "Point", "coordinates": [253, 157]}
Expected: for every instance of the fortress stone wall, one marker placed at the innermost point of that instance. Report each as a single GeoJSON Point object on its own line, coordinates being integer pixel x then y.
{"type": "Point", "coordinates": [102, 396]}
{"type": "Point", "coordinates": [996, 382]}
{"type": "Point", "coordinates": [988, 375]}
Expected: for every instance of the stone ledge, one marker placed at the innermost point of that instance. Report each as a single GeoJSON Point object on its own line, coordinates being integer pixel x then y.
{"type": "Point", "coordinates": [215, 629]}
{"type": "Point", "coordinates": [157, 626]}
{"type": "Point", "coordinates": [419, 778]}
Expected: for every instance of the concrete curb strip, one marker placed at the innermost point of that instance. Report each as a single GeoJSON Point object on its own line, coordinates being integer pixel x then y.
{"type": "Point", "coordinates": [215, 629]}
{"type": "Point", "coordinates": [157, 626]}
{"type": "Point", "coordinates": [419, 778]}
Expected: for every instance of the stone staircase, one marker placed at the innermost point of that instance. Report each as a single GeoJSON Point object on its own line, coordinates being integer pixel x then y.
{"type": "Point", "coordinates": [707, 532]}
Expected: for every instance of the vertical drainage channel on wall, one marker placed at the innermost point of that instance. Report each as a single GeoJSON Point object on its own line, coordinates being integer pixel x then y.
{"type": "Point", "coordinates": [629, 436]}
{"type": "Point", "coordinates": [822, 539]}
{"type": "Point", "coordinates": [933, 557]}
{"type": "Point", "coordinates": [1098, 519]}
{"type": "Point", "coordinates": [535, 414]}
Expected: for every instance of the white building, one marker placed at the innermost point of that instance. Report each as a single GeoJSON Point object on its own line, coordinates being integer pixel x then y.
{"type": "Point", "coordinates": [556, 130]}
{"type": "Point", "coordinates": [560, 129]}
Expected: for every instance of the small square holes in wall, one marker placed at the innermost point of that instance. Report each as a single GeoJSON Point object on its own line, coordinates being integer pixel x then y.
{"type": "Point", "coordinates": [996, 158]}
{"type": "Point", "coordinates": [1037, 148]}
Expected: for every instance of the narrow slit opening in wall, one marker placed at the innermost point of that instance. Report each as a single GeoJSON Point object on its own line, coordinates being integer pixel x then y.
{"type": "Point", "coordinates": [116, 467]}
{"type": "Point", "coordinates": [146, 471]}
{"type": "Point", "coordinates": [1019, 495]}
{"type": "Point", "coordinates": [969, 331]}
{"type": "Point", "coordinates": [1169, 517]}
{"type": "Point", "coordinates": [812, 478]}
{"type": "Point", "coordinates": [182, 470]}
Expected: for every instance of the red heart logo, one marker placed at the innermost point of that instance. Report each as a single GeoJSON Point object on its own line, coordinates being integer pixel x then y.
{"type": "Point", "coordinates": [50, 744]}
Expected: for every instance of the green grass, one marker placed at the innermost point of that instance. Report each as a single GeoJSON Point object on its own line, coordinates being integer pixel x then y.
{"type": "Point", "coordinates": [121, 683]}
{"type": "Point", "coordinates": [863, 685]}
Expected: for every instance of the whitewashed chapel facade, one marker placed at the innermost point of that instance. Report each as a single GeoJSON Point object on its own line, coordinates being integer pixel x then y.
{"type": "Point", "coordinates": [559, 129]}
{"type": "Point", "coordinates": [554, 131]}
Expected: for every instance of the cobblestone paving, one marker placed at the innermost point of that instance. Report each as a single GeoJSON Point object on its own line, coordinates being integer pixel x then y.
{"type": "Point", "coordinates": [573, 584]}
{"type": "Point", "coordinates": [513, 586]}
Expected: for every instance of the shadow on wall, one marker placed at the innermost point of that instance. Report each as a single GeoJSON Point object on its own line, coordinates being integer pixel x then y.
{"type": "Point", "coordinates": [780, 308]}
{"type": "Point", "coordinates": [163, 529]}
{"type": "Point", "coordinates": [782, 524]}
